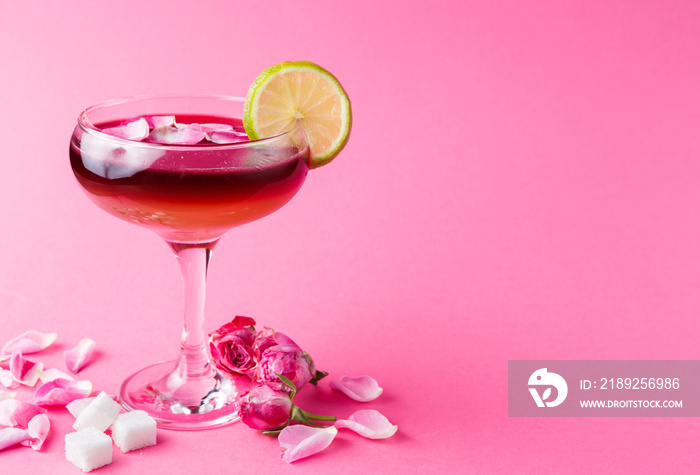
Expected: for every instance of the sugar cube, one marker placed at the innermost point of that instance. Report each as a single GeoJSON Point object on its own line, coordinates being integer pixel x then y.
{"type": "Point", "coordinates": [134, 430]}
{"type": "Point", "coordinates": [88, 449]}
{"type": "Point", "coordinates": [76, 406]}
{"type": "Point", "coordinates": [100, 413]}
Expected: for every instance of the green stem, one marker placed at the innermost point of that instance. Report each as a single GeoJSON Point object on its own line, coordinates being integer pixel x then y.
{"type": "Point", "coordinates": [315, 417]}
{"type": "Point", "coordinates": [298, 414]}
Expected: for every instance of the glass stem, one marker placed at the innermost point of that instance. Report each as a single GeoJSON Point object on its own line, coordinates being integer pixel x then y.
{"type": "Point", "coordinates": [194, 362]}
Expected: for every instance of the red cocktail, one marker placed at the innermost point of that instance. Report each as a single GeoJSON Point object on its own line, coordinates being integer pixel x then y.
{"type": "Point", "coordinates": [189, 180]}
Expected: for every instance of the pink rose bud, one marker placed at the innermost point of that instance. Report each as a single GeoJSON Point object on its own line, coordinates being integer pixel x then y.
{"type": "Point", "coordinates": [266, 407]}
{"type": "Point", "coordinates": [268, 337]}
{"type": "Point", "coordinates": [231, 346]}
{"type": "Point", "coordinates": [289, 361]}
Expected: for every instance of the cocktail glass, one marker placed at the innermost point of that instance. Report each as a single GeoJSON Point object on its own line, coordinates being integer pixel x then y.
{"type": "Point", "coordinates": [190, 195]}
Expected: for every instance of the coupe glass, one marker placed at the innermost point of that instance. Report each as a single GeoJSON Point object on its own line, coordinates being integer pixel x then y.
{"type": "Point", "coordinates": [190, 195]}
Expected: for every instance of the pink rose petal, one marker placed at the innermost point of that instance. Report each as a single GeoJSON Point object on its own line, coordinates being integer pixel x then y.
{"type": "Point", "coordinates": [12, 436]}
{"type": "Point", "coordinates": [60, 392]}
{"type": "Point", "coordinates": [226, 136]}
{"type": "Point", "coordinates": [215, 127]}
{"type": "Point", "coordinates": [38, 428]}
{"type": "Point", "coordinates": [193, 126]}
{"type": "Point", "coordinates": [4, 358]}
{"type": "Point", "coordinates": [14, 412]}
{"type": "Point", "coordinates": [5, 395]}
{"type": "Point", "coordinates": [362, 388]}
{"type": "Point", "coordinates": [135, 130]}
{"type": "Point", "coordinates": [29, 342]}
{"type": "Point", "coordinates": [80, 355]}
{"type": "Point", "coordinates": [181, 135]}
{"type": "Point", "coordinates": [33, 435]}
{"type": "Point", "coordinates": [7, 380]}
{"type": "Point", "coordinates": [24, 371]}
{"type": "Point", "coordinates": [297, 442]}
{"type": "Point", "coordinates": [368, 423]}
{"type": "Point", "coordinates": [154, 121]}
{"type": "Point", "coordinates": [52, 373]}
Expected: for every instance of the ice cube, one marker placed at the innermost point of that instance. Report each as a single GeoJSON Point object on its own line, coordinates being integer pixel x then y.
{"type": "Point", "coordinates": [134, 430]}
{"type": "Point", "coordinates": [100, 413]}
{"type": "Point", "coordinates": [88, 449]}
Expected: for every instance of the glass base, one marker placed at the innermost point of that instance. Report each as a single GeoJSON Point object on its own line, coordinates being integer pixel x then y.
{"type": "Point", "coordinates": [179, 404]}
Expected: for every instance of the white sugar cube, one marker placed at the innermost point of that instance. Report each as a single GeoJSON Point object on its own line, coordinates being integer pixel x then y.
{"type": "Point", "coordinates": [100, 413]}
{"type": "Point", "coordinates": [88, 449]}
{"type": "Point", "coordinates": [76, 407]}
{"type": "Point", "coordinates": [134, 430]}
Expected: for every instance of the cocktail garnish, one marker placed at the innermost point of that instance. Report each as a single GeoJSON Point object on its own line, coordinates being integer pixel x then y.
{"type": "Point", "coordinates": [164, 129]}
{"type": "Point", "coordinates": [134, 130]}
{"type": "Point", "coordinates": [160, 120]}
{"type": "Point", "coordinates": [226, 136]}
{"type": "Point", "coordinates": [215, 127]}
{"type": "Point", "coordinates": [300, 91]}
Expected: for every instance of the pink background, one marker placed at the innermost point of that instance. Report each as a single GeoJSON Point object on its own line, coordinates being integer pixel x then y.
{"type": "Point", "coordinates": [521, 183]}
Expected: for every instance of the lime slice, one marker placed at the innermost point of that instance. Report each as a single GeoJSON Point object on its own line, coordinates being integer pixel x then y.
{"type": "Point", "coordinates": [304, 91]}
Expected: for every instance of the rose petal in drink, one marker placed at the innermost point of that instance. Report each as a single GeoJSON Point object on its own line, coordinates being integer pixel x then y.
{"type": "Point", "coordinates": [136, 130]}
{"type": "Point", "coordinates": [212, 127]}
{"type": "Point", "coordinates": [299, 441]}
{"type": "Point", "coordinates": [24, 371]}
{"type": "Point", "coordinates": [60, 392]}
{"type": "Point", "coordinates": [154, 121]}
{"type": "Point", "coordinates": [80, 355]}
{"type": "Point", "coordinates": [193, 126]}
{"type": "Point", "coordinates": [31, 341]}
{"type": "Point", "coordinates": [176, 135]}
{"type": "Point", "coordinates": [361, 388]}
{"type": "Point", "coordinates": [226, 136]}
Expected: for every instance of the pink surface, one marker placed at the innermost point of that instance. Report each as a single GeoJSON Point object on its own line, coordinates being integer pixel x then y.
{"type": "Point", "coordinates": [521, 183]}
